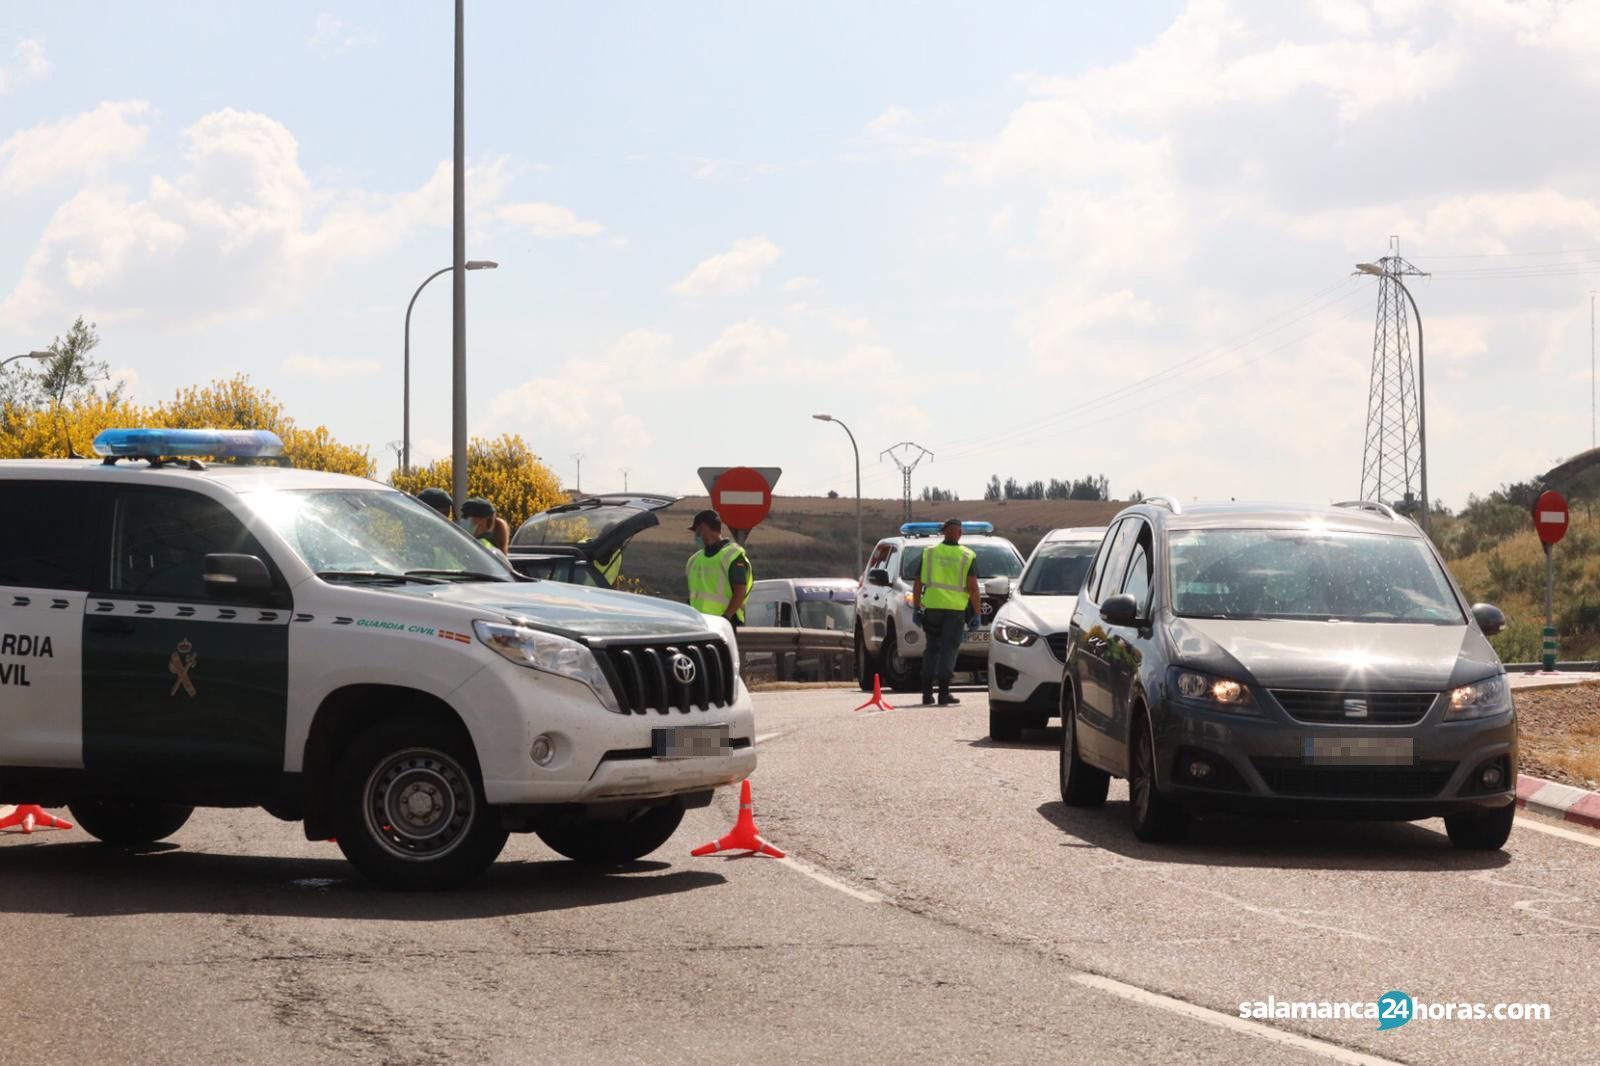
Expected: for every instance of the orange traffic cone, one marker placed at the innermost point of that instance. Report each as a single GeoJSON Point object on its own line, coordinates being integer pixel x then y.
{"type": "Point", "coordinates": [877, 699]}
{"type": "Point", "coordinates": [744, 836]}
{"type": "Point", "coordinates": [30, 815]}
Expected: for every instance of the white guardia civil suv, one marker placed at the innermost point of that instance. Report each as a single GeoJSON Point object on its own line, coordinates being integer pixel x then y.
{"type": "Point", "coordinates": [327, 648]}
{"type": "Point", "coordinates": [1030, 632]}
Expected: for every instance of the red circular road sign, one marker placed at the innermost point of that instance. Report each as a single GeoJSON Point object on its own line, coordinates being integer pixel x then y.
{"type": "Point", "coordinates": [742, 497]}
{"type": "Point", "coordinates": [1550, 517]}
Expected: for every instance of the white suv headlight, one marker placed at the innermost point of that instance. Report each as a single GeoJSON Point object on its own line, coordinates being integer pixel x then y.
{"type": "Point", "coordinates": [550, 654]}
{"type": "Point", "coordinates": [1481, 699]}
{"type": "Point", "coordinates": [1013, 634]}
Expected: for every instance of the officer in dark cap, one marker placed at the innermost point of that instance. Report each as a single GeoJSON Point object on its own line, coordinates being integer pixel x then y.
{"type": "Point", "coordinates": [488, 527]}
{"type": "Point", "coordinates": [440, 501]}
{"type": "Point", "coordinates": [719, 574]}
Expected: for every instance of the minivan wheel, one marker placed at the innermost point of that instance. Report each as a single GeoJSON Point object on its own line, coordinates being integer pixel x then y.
{"type": "Point", "coordinates": [1481, 831]}
{"type": "Point", "coordinates": [614, 843]}
{"type": "Point", "coordinates": [126, 823]}
{"type": "Point", "coordinates": [866, 665]}
{"type": "Point", "coordinates": [1082, 785]}
{"type": "Point", "coordinates": [408, 809]}
{"type": "Point", "coordinates": [1157, 819]}
{"type": "Point", "coordinates": [899, 673]}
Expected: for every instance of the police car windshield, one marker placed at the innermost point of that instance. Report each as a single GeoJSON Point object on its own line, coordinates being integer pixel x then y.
{"type": "Point", "coordinates": [1058, 569]}
{"type": "Point", "coordinates": [993, 560]}
{"type": "Point", "coordinates": [365, 532]}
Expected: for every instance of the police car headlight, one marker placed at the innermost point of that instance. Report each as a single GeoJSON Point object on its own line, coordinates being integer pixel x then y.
{"type": "Point", "coordinates": [550, 654]}
{"type": "Point", "coordinates": [1488, 697]}
{"type": "Point", "coordinates": [1013, 634]}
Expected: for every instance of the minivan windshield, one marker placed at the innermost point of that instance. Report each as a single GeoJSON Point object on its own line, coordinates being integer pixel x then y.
{"type": "Point", "coordinates": [993, 560]}
{"type": "Point", "coordinates": [364, 534]}
{"type": "Point", "coordinates": [1058, 568]}
{"type": "Point", "coordinates": [1308, 574]}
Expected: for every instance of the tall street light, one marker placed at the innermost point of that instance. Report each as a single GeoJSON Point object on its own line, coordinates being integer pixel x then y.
{"type": "Point", "coordinates": [24, 355]}
{"type": "Point", "coordinates": [405, 435]}
{"type": "Point", "coordinates": [1422, 404]}
{"type": "Point", "coordinates": [857, 451]}
{"type": "Point", "coordinates": [458, 302]}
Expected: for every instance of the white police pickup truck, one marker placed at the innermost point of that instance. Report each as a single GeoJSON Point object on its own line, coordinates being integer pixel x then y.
{"type": "Point", "coordinates": [175, 635]}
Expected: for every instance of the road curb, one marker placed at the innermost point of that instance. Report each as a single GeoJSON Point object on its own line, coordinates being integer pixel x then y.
{"type": "Point", "coordinates": [1560, 801]}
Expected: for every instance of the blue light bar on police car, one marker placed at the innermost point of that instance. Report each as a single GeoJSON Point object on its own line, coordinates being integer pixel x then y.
{"type": "Point", "coordinates": [178, 443]}
{"type": "Point", "coordinates": [928, 529]}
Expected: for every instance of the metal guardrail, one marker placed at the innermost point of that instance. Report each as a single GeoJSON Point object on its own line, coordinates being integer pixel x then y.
{"type": "Point", "coordinates": [1582, 666]}
{"type": "Point", "coordinates": [786, 653]}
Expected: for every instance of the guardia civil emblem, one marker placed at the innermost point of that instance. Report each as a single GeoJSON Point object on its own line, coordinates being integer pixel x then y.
{"type": "Point", "coordinates": [180, 665]}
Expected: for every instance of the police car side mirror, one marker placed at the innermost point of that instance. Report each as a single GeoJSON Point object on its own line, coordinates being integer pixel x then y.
{"type": "Point", "coordinates": [229, 576]}
{"type": "Point", "coordinates": [1490, 618]}
{"type": "Point", "coordinates": [878, 577]}
{"type": "Point", "coordinates": [1120, 610]}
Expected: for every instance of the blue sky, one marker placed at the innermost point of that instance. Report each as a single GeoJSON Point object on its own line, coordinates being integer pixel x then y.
{"type": "Point", "coordinates": [980, 227]}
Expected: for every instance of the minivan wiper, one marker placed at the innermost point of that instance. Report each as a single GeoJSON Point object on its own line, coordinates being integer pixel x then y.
{"type": "Point", "coordinates": [375, 575]}
{"type": "Point", "coordinates": [464, 575]}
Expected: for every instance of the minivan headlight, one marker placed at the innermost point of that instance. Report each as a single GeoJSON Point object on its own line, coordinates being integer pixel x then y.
{"type": "Point", "coordinates": [1218, 693]}
{"type": "Point", "coordinates": [1013, 634]}
{"type": "Point", "coordinates": [550, 654]}
{"type": "Point", "coordinates": [1481, 699]}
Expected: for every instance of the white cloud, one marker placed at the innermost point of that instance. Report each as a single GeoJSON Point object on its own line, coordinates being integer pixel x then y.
{"type": "Point", "coordinates": [735, 270]}
{"type": "Point", "coordinates": [574, 411]}
{"type": "Point", "coordinates": [332, 36]}
{"type": "Point", "coordinates": [745, 349]}
{"type": "Point", "coordinates": [83, 144]}
{"type": "Point", "coordinates": [548, 220]}
{"type": "Point", "coordinates": [238, 230]}
{"type": "Point", "coordinates": [29, 63]}
{"type": "Point", "coordinates": [802, 283]}
{"type": "Point", "coordinates": [315, 366]}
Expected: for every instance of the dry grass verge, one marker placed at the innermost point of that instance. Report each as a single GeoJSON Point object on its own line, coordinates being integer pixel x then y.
{"type": "Point", "coordinates": [1559, 733]}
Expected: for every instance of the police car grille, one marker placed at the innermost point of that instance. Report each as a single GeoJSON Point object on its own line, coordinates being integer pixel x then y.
{"type": "Point", "coordinates": [1368, 708]}
{"type": "Point", "coordinates": [645, 679]}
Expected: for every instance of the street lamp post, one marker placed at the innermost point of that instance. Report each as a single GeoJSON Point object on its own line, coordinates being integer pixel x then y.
{"type": "Point", "coordinates": [1422, 404]}
{"type": "Point", "coordinates": [405, 436]}
{"type": "Point", "coordinates": [24, 355]}
{"type": "Point", "coordinates": [857, 451]}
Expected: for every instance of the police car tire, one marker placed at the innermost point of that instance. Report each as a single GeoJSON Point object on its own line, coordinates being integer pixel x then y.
{"type": "Point", "coordinates": [907, 677]}
{"type": "Point", "coordinates": [614, 843]}
{"type": "Point", "coordinates": [866, 665]}
{"type": "Point", "coordinates": [434, 744]}
{"type": "Point", "coordinates": [128, 823]}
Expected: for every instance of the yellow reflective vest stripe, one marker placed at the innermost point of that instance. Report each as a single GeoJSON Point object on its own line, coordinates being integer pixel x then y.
{"type": "Point", "coordinates": [613, 568]}
{"type": "Point", "coordinates": [710, 591]}
{"type": "Point", "coordinates": [944, 577]}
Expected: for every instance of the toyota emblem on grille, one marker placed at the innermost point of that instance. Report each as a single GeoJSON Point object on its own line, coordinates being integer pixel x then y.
{"type": "Point", "coordinates": [988, 608]}
{"type": "Point", "coordinates": [683, 669]}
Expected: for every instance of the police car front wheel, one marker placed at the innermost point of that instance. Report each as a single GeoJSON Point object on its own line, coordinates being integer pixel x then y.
{"type": "Point", "coordinates": [409, 810]}
{"type": "Point", "coordinates": [128, 823]}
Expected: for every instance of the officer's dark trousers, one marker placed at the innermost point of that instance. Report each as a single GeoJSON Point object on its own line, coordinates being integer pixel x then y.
{"type": "Point", "coordinates": [944, 630]}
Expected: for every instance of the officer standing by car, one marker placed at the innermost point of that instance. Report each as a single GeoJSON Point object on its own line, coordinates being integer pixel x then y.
{"type": "Point", "coordinates": [720, 574]}
{"type": "Point", "coordinates": [944, 600]}
{"type": "Point", "coordinates": [487, 526]}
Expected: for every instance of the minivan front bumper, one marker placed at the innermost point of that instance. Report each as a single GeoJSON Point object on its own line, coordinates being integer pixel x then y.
{"type": "Point", "coordinates": [1268, 763]}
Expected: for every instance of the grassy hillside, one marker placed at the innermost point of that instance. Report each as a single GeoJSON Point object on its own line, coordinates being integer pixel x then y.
{"type": "Point", "coordinates": [815, 536]}
{"type": "Point", "coordinates": [1511, 575]}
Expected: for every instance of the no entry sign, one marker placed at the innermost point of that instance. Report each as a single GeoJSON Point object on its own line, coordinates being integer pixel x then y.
{"type": "Point", "coordinates": [742, 496]}
{"type": "Point", "coordinates": [1550, 517]}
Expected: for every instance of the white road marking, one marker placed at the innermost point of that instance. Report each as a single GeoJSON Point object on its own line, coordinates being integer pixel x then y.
{"type": "Point", "coordinates": [800, 866]}
{"type": "Point", "coordinates": [1310, 1046]}
{"type": "Point", "coordinates": [1527, 822]}
{"type": "Point", "coordinates": [764, 737]}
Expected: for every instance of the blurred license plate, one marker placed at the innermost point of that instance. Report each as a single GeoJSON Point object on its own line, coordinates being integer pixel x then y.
{"type": "Point", "coordinates": [1358, 751]}
{"type": "Point", "coordinates": [689, 741]}
{"type": "Point", "coordinates": [978, 636]}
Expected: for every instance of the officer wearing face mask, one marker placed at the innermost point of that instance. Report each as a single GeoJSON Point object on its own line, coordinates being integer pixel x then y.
{"type": "Point", "coordinates": [719, 574]}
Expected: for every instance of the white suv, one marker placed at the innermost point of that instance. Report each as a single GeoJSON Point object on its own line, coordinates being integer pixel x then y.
{"type": "Point", "coordinates": [1030, 632]}
{"type": "Point", "coordinates": [888, 642]}
{"type": "Point", "coordinates": [332, 650]}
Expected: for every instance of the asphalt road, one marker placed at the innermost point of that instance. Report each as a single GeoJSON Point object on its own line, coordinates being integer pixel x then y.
{"type": "Point", "coordinates": [943, 907]}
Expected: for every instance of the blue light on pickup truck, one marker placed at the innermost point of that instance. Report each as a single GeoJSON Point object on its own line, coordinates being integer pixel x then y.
{"type": "Point", "coordinates": [177, 443]}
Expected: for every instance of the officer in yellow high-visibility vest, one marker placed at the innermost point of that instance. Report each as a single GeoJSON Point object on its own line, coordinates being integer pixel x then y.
{"type": "Point", "coordinates": [944, 602]}
{"type": "Point", "coordinates": [720, 574]}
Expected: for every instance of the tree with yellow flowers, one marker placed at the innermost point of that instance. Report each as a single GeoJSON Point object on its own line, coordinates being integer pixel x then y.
{"type": "Point", "coordinates": [502, 470]}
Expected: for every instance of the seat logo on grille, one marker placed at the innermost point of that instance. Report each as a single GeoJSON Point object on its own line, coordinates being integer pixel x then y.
{"type": "Point", "coordinates": [1355, 708]}
{"type": "Point", "coordinates": [683, 669]}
